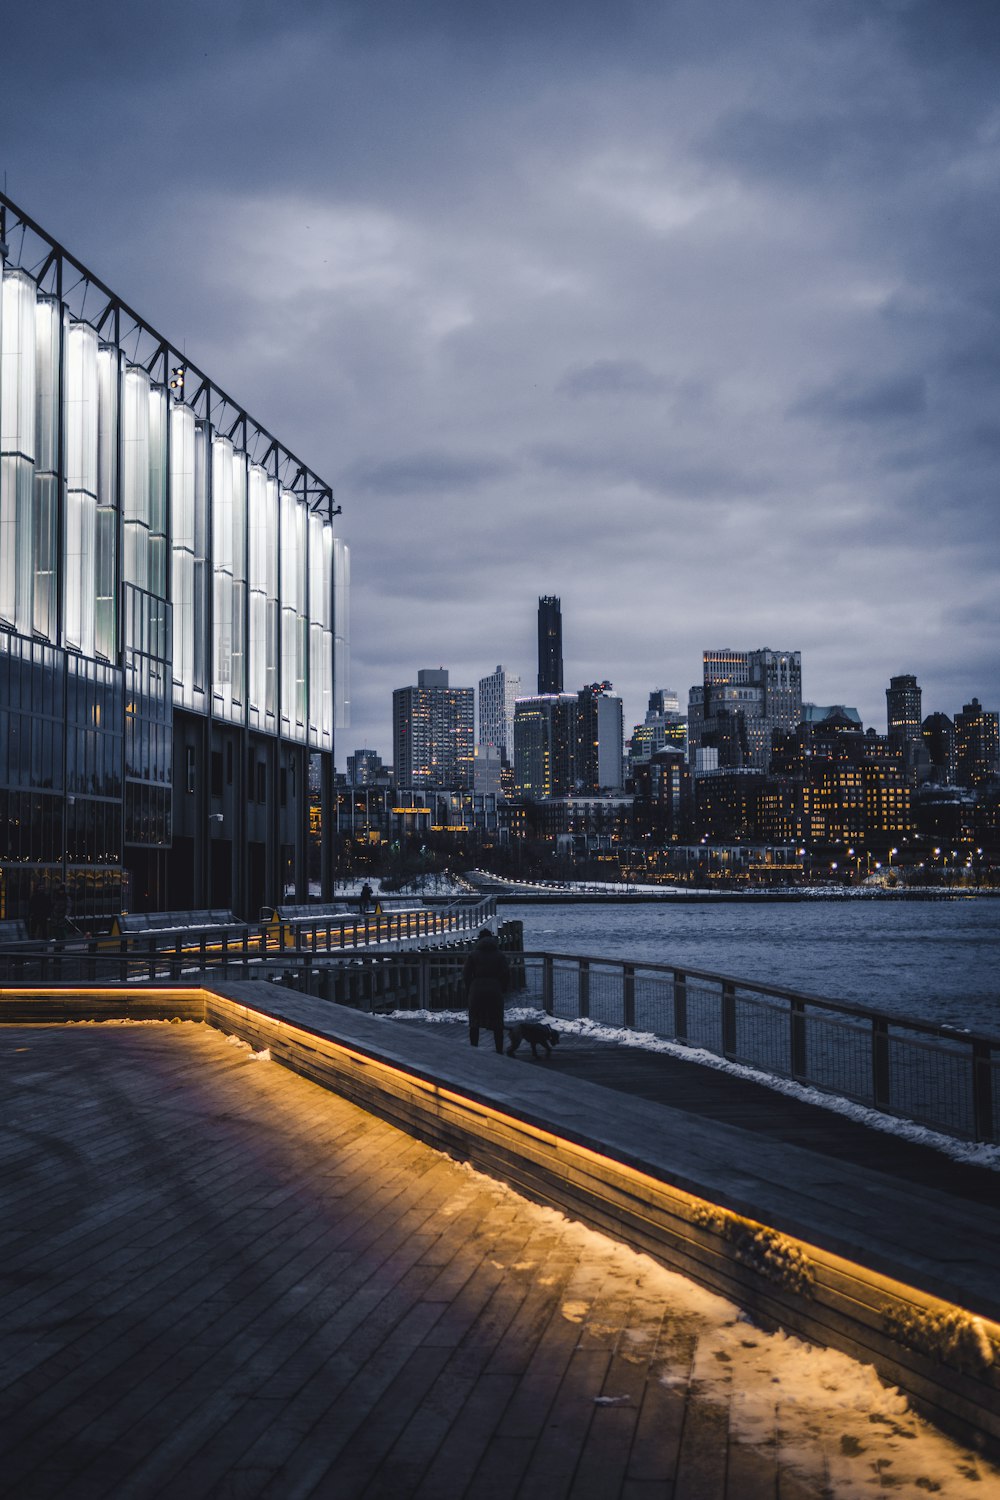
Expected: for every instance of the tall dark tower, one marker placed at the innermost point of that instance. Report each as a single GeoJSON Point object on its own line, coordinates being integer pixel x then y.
{"type": "Point", "coordinates": [550, 661]}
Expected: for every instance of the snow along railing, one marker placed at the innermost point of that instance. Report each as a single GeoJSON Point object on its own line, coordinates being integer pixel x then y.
{"type": "Point", "coordinates": [936, 1076]}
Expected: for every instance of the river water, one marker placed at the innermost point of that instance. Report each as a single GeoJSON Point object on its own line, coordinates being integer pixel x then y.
{"type": "Point", "coordinates": [938, 961]}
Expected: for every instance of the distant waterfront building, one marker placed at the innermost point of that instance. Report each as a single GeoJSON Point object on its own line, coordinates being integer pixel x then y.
{"type": "Point", "coordinates": [365, 768]}
{"type": "Point", "coordinates": [173, 626]}
{"type": "Point", "coordinates": [497, 695]}
{"type": "Point", "coordinates": [545, 745]}
{"type": "Point", "coordinates": [433, 733]}
{"type": "Point", "coordinates": [663, 725]}
{"type": "Point", "coordinates": [550, 657]}
{"type": "Point", "coordinates": [743, 698]}
{"type": "Point", "coordinates": [903, 720]}
{"type": "Point", "coordinates": [977, 745]}
{"type": "Point", "coordinates": [486, 769]}
{"type": "Point", "coordinates": [939, 737]}
{"type": "Point", "coordinates": [599, 739]}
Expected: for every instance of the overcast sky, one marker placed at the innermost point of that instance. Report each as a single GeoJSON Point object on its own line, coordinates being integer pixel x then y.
{"type": "Point", "coordinates": [686, 312]}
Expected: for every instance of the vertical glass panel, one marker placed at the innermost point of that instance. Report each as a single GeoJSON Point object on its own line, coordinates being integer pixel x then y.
{"type": "Point", "coordinates": [81, 422]}
{"type": "Point", "coordinates": [182, 530]}
{"type": "Point", "coordinates": [289, 600]}
{"type": "Point", "coordinates": [46, 514]}
{"type": "Point", "coordinates": [201, 641]}
{"type": "Point", "coordinates": [341, 632]}
{"type": "Point", "coordinates": [158, 491]}
{"type": "Point", "coordinates": [222, 562]}
{"type": "Point", "coordinates": [17, 449]}
{"type": "Point", "coordinates": [257, 585]}
{"type": "Point", "coordinates": [135, 489]}
{"type": "Point", "coordinates": [105, 611]}
{"type": "Point", "coordinates": [237, 683]}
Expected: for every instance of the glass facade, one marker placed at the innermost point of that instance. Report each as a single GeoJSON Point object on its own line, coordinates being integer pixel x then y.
{"type": "Point", "coordinates": [164, 564]}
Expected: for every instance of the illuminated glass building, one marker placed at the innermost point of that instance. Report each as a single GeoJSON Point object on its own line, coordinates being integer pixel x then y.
{"type": "Point", "coordinates": [172, 614]}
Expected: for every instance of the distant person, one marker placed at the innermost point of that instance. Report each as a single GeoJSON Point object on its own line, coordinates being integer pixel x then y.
{"type": "Point", "coordinates": [486, 976]}
{"type": "Point", "coordinates": [39, 911]}
{"type": "Point", "coordinates": [365, 901]}
{"type": "Point", "coordinates": [59, 913]}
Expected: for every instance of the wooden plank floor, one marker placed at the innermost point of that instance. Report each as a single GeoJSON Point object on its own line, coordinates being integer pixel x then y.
{"type": "Point", "coordinates": [217, 1279]}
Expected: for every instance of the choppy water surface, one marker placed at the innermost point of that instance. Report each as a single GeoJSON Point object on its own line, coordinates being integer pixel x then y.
{"type": "Point", "coordinates": [937, 960]}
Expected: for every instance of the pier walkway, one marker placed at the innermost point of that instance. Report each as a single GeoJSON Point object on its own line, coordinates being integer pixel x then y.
{"type": "Point", "coordinates": [221, 1280]}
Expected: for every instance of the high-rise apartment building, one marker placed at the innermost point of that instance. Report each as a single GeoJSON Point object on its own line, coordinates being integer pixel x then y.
{"type": "Point", "coordinates": [545, 745]}
{"type": "Point", "coordinates": [599, 734]}
{"type": "Point", "coordinates": [663, 725]}
{"type": "Point", "coordinates": [977, 745]}
{"type": "Point", "coordinates": [902, 710]}
{"type": "Point", "coordinates": [497, 694]}
{"type": "Point", "coordinates": [433, 728]}
{"type": "Point", "coordinates": [550, 658]}
{"type": "Point", "coordinates": [744, 696]}
{"type": "Point", "coordinates": [364, 768]}
{"type": "Point", "coordinates": [939, 737]}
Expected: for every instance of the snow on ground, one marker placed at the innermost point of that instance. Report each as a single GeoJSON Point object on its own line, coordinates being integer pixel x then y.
{"type": "Point", "coordinates": [975, 1153]}
{"type": "Point", "coordinates": [824, 1416]}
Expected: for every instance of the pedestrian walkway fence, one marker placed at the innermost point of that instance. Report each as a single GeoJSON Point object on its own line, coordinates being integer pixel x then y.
{"type": "Point", "coordinates": [937, 1076]}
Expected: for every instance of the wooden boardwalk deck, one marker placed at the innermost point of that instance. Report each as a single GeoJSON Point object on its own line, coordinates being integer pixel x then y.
{"type": "Point", "coordinates": [217, 1279]}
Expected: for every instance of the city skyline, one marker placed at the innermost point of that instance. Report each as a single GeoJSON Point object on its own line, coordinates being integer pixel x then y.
{"type": "Point", "coordinates": [683, 314]}
{"type": "Point", "coordinates": [878, 719]}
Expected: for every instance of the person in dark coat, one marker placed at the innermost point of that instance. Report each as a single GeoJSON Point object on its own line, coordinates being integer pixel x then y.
{"type": "Point", "coordinates": [39, 909]}
{"type": "Point", "coordinates": [486, 976]}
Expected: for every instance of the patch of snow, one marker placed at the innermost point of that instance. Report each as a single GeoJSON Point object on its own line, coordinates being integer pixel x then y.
{"type": "Point", "coordinates": [973, 1153]}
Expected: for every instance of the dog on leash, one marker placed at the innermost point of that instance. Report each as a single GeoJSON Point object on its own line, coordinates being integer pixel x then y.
{"type": "Point", "coordinates": [535, 1032]}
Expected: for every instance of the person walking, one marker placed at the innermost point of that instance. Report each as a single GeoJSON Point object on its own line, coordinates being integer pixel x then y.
{"type": "Point", "coordinates": [39, 910]}
{"type": "Point", "coordinates": [486, 976]}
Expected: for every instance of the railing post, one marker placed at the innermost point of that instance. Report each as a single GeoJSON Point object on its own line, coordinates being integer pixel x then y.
{"type": "Point", "coordinates": [881, 1079]}
{"type": "Point", "coordinates": [728, 1019]}
{"type": "Point", "coordinates": [680, 1003]}
{"type": "Point", "coordinates": [628, 995]}
{"type": "Point", "coordinates": [982, 1090]}
{"type": "Point", "coordinates": [424, 983]}
{"type": "Point", "coordinates": [797, 1040]}
{"type": "Point", "coordinates": [548, 984]}
{"type": "Point", "coordinates": [583, 990]}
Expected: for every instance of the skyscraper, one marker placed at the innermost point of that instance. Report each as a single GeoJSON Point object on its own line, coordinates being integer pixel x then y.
{"type": "Point", "coordinates": [550, 661]}
{"type": "Point", "coordinates": [977, 745]}
{"type": "Point", "coordinates": [496, 711]}
{"type": "Point", "coordinates": [599, 725]}
{"type": "Point", "coordinates": [743, 698]}
{"type": "Point", "coordinates": [545, 744]}
{"type": "Point", "coordinates": [432, 733]}
{"type": "Point", "coordinates": [902, 710]}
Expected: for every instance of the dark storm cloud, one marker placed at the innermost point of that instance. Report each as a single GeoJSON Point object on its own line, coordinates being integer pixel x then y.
{"type": "Point", "coordinates": [429, 473]}
{"type": "Point", "coordinates": [854, 399]}
{"type": "Point", "coordinates": [612, 377]}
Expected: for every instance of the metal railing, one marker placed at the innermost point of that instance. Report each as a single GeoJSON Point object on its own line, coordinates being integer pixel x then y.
{"type": "Point", "coordinates": [171, 953]}
{"type": "Point", "coordinates": [938, 1076]}
{"type": "Point", "coordinates": [942, 1077]}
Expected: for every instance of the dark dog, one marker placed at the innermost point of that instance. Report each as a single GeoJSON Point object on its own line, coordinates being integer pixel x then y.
{"type": "Point", "coordinates": [534, 1032]}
